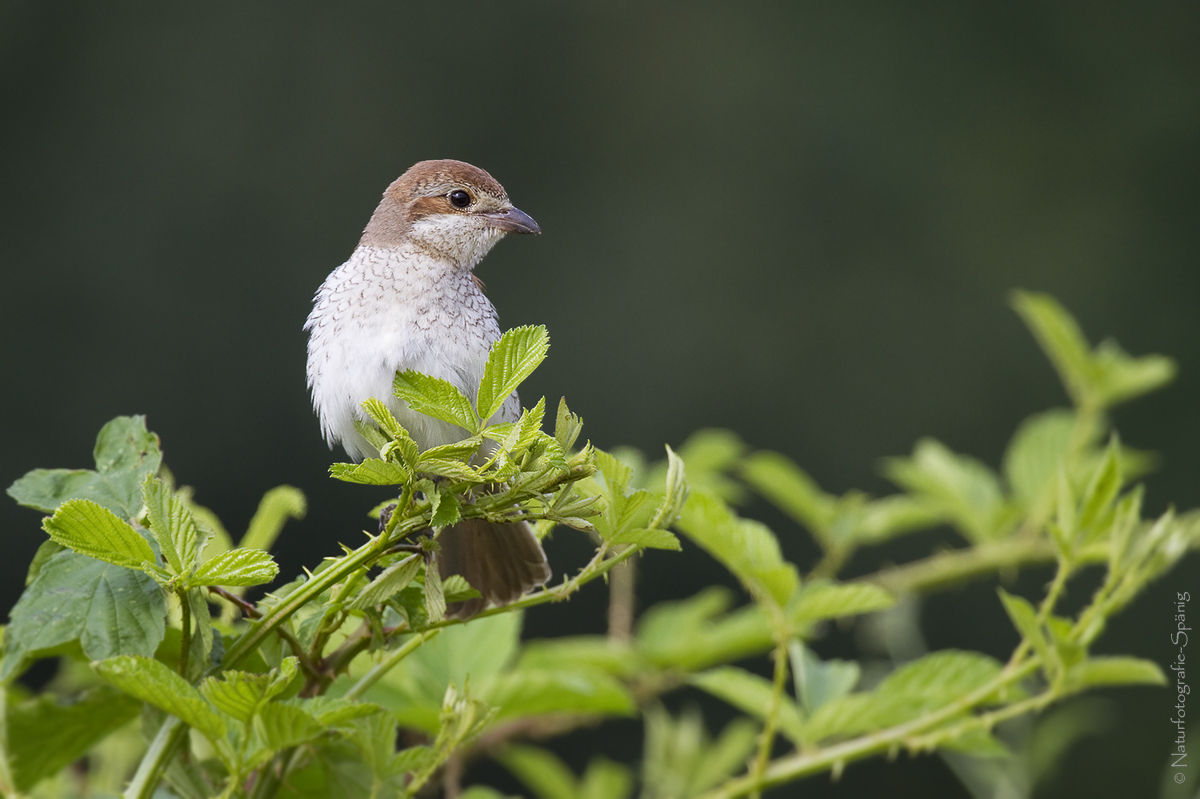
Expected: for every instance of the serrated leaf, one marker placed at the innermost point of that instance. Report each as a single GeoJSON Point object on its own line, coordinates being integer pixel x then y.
{"type": "Point", "coordinates": [391, 580]}
{"type": "Point", "coordinates": [447, 510]}
{"type": "Point", "coordinates": [940, 677]}
{"type": "Point", "coordinates": [746, 548]}
{"type": "Point", "coordinates": [236, 567]}
{"type": "Point", "coordinates": [1114, 670]}
{"type": "Point", "coordinates": [651, 538]}
{"type": "Point", "coordinates": [751, 694]}
{"type": "Point", "coordinates": [281, 726]}
{"type": "Point", "coordinates": [567, 426]}
{"type": "Point", "coordinates": [455, 470]}
{"type": "Point", "coordinates": [236, 693]}
{"type": "Point", "coordinates": [372, 471]}
{"type": "Point", "coordinates": [172, 525]}
{"type": "Point", "coordinates": [45, 736]}
{"type": "Point", "coordinates": [336, 712]}
{"type": "Point", "coordinates": [459, 451]}
{"type": "Point", "coordinates": [435, 397]}
{"type": "Point", "coordinates": [963, 489]}
{"type": "Point", "coordinates": [110, 610]}
{"type": "Point", "coordinates": [511, 359]}
{"type": "Point", "coordinates": [151, 681]}
{"type": "Point", "coordinates": [675, 492]}
{"type": "Point", "coordinates": [435, 599]}
{"type": "Point", "coordinates": [125, 453]}
{"type": "Point", "coordinates": [823, 600]}
{"type": "Point", "coordinates": [95, 531]}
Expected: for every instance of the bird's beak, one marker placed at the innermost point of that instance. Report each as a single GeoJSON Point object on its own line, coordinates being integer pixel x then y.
{"type": "Point", "coordinates": [512, 220]}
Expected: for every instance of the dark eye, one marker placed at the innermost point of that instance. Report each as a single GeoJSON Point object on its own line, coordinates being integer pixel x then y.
{"type": "Point", "coordinates": [459, 198]}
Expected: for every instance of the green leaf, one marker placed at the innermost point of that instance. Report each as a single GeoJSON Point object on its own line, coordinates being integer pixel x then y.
{"type": "Point", "coordinates": [391, 580]}
{"type": "Point", "coordinates": [1024, 618]}
{"type": "Point", "coordinates": [727, 755]}
{"type": "Point", "coordinates": [790, 488]}
{"type": "Point", "coordinates": [591, 652]}
{"type": "Point", "coordinates": [393, 430]}
{"type": "Point", "coordinates": [531, 692]}
{"type": "Point", "coordinates": [281, 726]}
{"type": "Point", "coordinates": [435, 397]}
{"type": "Point", "coordinates": [696, 633]}
{"type": "Point", "coordinates": [45, 736]}
{"type": "Point", "coordinates": [237, 567]}
{"type": "Point", "coordinates": [1115, 670]}
{"type": "Point", "coordinates": [110, 610]}
{"type": "Point", "coordinates": [1102, 488]}
{"type": "Point", "coordinates": [125, 454]}
{"type": "Point", "coordinates": [512, 359]}
{"type": "Point", "coordinates": [151, 681]}
{"type": "Point", "coordinates": [375, 737]}
{"type": "Point", "coordinates": [675, 492]}
{"type": "Point", "coordinates": [237, 693]}
{"type": "Point", "coordinates": [542, 772]}
{"type": "Point", "coordinates": [961, 488]}
{"type": "Point", "coordinates": [751, 694]}
{"type": "Point", "coordinates": [709, 455]}
{"type": "Point", "coordinates": [435, 599]}
{"type": "Point", "coordinates": [605, 779]}
{"type": "Point", "coordinates": [446, 509]}
{"type": "Point", "coordinates": [413, 691]}
{"type": "Point", "coordinates": [1034, 455]}
{"type": "Point", "coordinates": [372, 471]}
{"type": "Point", "coordinates": [941, 677]}
{"type": "Point", "coordinates": [746, 548]}
{"type": "Point", "coordinates": [172, 525]}
{"type": "Point", "coordinates": [567, 426]}
{"type": "Point", "coordinates": [335, 712]}
{"type": "Point", "coordinates": [824, 600]}
{"type": "Point", "coordinates": [95, 531]}
{"type": "Point", "coordinates": [647, 537]}
{"type": "Point", "coordinates": [277, 506]}
{"type": "Point", "coordinates": [819, 681]}
{"type": "Point", "coordinates": [1103, 378]}
{"type": "Point", "coordinates": [1062, 341]}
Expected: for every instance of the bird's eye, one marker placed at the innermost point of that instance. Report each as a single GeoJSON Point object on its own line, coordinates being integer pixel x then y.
{"type": "Point", "coordinates": [459, 198]}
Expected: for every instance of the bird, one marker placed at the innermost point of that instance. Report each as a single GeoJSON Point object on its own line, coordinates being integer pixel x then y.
{"type": "Point", "coordinates": [408, 298]}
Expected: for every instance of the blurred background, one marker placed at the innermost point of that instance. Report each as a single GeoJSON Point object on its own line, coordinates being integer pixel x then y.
{"type": "Point", "coordinates": [799, 221]}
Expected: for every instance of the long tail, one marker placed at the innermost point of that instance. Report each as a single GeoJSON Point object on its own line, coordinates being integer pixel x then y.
{"type": "Point", "coordinates": [500, 561]}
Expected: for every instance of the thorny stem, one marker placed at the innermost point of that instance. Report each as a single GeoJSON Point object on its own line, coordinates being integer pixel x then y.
{"type": "Point", "coordinates": [835, 757]}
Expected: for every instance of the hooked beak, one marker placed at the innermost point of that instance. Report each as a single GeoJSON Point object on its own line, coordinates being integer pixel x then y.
{"type": "Point", "coordinates": [512, 220]}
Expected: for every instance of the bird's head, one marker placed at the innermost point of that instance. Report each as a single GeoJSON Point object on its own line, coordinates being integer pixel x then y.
{"type": "Point", "coordinates": [449, 209]}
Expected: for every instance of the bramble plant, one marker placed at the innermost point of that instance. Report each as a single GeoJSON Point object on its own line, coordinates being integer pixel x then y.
{"type": "Point", "coordinates": [306, 692]}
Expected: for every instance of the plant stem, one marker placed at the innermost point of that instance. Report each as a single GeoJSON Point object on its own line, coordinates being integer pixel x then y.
{"type": "Point", "coordinates": [150, 770]}
{"type": "Point", "coordinates": [768, 734]}
{"type": "Point", "coordinates": [185, 641]}
{"type": "Point", "coordinates": [382, 667]}
{"type": "Point", "coordinates": [835, 757]}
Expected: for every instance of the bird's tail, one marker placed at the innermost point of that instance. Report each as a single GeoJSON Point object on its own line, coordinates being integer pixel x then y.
{"type": "Point", "coordinates": [500, 561]}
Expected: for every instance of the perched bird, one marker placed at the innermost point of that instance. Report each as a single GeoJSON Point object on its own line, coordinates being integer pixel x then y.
{"type": "Point", "coordinates": [407, 299]}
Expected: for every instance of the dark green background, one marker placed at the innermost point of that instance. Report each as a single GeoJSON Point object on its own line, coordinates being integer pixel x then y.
{"type": "Point", "coordinates": [797, 220]}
